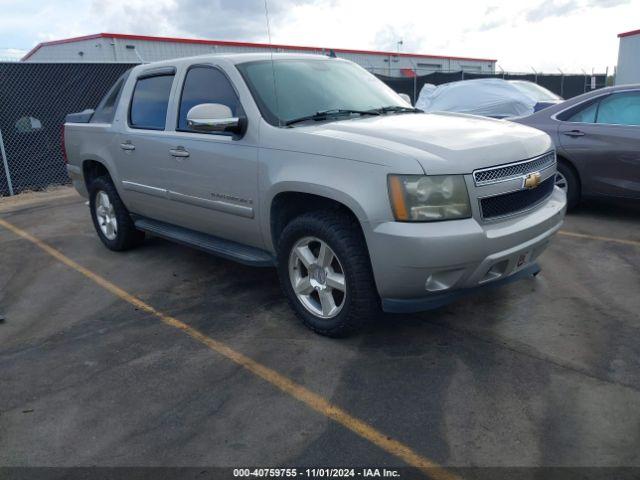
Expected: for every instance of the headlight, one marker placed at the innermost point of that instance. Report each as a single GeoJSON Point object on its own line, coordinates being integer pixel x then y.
{"type": "Point", "coordinates": [420, 198]}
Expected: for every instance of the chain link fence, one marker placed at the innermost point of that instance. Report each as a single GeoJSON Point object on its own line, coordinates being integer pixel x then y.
{"type": "Point", "coordinates": [36, 97]}
{"type": "Point", "coordinates": [34, 100]}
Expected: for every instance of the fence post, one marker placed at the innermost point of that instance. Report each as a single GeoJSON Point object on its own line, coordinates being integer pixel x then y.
{"type": "Point", "coordinates": [5, 161]}
{"type": "Point", "coordinates": [415, 87]}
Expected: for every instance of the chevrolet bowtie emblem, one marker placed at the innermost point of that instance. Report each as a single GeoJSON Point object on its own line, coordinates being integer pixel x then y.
{"type": "Point", "coordinates": [532, 180]}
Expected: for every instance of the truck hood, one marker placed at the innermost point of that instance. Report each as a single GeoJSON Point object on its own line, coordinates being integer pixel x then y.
{"type": "Point", "coordinates": [440, 142]}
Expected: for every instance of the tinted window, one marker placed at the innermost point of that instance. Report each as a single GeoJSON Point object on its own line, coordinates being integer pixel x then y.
{"type": "Point", "coordinates": [107, 108]}
{"type": "Point", "coordinates": [586, 115]}
{"type": "Point", "coordinates": [620, 109]}
{"type": "Point", "coordinates": [150, 102]}
{"type": "Point", "coordinates": [206, 85]}
{"type": "Point", "coordinates": [289, 89]}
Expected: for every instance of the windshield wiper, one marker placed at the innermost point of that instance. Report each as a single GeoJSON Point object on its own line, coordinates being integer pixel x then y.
{"type": "Point", "coordinates": [324, 114]}
{"type": "Point", "coordinates": [397, 109]}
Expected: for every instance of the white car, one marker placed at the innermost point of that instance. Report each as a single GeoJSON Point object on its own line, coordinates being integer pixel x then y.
{"type": "Point", "coordinates": [489, 97]}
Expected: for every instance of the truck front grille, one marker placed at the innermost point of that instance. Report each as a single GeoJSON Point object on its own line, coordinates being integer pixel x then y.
{"type": "Point", "coordinates": [514, 202]}
{"type": "Point", "coordinates": [513, 170]}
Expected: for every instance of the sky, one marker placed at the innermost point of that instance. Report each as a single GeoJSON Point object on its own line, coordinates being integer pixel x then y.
{"type": "Point", "coordinates": [523, 35]}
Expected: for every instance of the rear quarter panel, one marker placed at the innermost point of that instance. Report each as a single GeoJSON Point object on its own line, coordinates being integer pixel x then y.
{"type": "Point", "coordinates": [90, 141]}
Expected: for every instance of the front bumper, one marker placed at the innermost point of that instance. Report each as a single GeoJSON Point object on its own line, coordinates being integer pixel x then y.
{"type": "Point", "coordinates": [418, 266]}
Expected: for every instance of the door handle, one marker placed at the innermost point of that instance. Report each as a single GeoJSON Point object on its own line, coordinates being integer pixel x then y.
{"type": "Point", "coordinates": [574, 133]}
{"type": "Point", "coordinates": [127, 146]}
{"type": "Point", "coordinates": [179, 152]}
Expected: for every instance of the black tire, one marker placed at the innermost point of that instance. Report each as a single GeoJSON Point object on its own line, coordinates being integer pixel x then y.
{"type": "Point", "coordinates": [343, 235]}
{"type": "Point", "coordinates": [127, 236]}
{"type": "Point", "coordinates": [573, 184]}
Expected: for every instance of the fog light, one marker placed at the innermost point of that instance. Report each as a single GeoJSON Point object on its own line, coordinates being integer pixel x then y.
{"type": "Point", "coordinates": [496, 271]}
{"type": "Point", "coordinates": [443, 280]}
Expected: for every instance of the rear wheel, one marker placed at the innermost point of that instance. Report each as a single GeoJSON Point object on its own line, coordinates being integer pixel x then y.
{"type": "Point", "coordinates": [325, 272]}
{"type": "Point", "coordinates": [567, 180]}
{"type": "Point", "coordinates": [111, 218]}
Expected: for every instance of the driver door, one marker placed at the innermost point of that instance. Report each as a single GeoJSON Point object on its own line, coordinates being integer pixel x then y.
{"type": "Point", "coordinates": [213, 177]}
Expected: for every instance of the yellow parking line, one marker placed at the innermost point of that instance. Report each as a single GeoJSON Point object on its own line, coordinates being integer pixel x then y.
{"type": "Point", "coordinates": [312, 400]}
{"type": "Point", "coordinates": [634, 243]}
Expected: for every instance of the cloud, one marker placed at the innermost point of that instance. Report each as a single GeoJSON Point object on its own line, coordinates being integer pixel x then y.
{"type": "Point", "coordinates": [491, 24]}
{"type": "Point", "coordinates": [387, 38]}
{"type": "Point", "coordinates": [218, 19]}
{"type": "Point", "coordinates": [607, 3]}
{"type": "Point", "coordinates": [551, 8]}
{"type": "Point", "coordinates": [11, 54]}
{"type": "Point", "coordinates": [556, 8]}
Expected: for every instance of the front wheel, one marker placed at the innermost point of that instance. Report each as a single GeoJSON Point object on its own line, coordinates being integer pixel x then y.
{"type": "Point", "coordinates": [325, 272]}
{"type": "Point", "coordinates": [567, 180]}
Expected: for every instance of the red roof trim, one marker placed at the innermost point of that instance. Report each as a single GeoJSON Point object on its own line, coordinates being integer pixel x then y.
{"type": "Point", "coordinates": [243, 44]}
{"type": "Point", "coordinates": [629, 34]}
{"type": "Point", "coordinates": [58, 42]}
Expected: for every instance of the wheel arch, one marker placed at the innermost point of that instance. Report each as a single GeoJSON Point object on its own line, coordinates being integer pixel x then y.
{"type": "Point", "coordinates": [564, 160]}
{"type": "Point", "coordinates": [92, 169]}
{"type": "Point", "coordinates": [288, 202]}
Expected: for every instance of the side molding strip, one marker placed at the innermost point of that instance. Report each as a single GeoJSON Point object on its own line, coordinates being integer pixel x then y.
{"type": "Point", "coordinates": [221, 205]}
{"type": "Point", "coordinates": [146, 189]}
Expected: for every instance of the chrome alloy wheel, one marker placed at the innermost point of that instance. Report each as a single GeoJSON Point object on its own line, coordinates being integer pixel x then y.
{"type": "Point", "coordinates": [561, 182]}
{"type": "Point", "coordinates": [106, 216]}
{"type": "Point", "coordinates": [317, 277]}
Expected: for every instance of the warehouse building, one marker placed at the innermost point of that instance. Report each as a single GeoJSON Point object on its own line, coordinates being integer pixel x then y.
{"type": "Point", "coordinates": [628, 58]}
{"type": "Point", "coordinates": [114, 47]}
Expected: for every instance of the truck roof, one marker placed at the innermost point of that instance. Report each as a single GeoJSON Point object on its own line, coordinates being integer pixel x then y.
{"type": "Point", "coordinates": [235, 58]}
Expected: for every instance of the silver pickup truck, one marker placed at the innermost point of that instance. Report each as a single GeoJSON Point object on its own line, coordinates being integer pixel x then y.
{"type": "Point", "coordinates": [313, 165]}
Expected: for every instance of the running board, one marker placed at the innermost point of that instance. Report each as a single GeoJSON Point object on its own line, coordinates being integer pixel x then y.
{"type": "Point", "coordinates": [207, 243]}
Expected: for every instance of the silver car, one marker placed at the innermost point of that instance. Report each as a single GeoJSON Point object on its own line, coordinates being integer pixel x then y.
{"type": "Point", "coordinates": [312, 165]}
{"type": "Point", "coordinates": [597, 137]}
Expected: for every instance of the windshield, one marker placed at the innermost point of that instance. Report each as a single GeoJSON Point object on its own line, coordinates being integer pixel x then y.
{"type": "Point", "coordinates": [538, 93]}
{"type": "Point", "coordinates": [307, 86]}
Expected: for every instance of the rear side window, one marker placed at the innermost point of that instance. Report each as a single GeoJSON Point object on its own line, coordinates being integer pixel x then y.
{"type": "Point", "coordinates": [206, 85]}
{"type": "Point", "coordinates": [620, 109]}
{"type": "Point", "coordinates": [107, 108]}
{"type": "Point", "coordinates": [586, 115]}
{"type": "Point", "coordinates": [150, 102]}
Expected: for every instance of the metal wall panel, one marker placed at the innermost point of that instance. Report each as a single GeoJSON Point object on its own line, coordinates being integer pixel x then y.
{"type": "Point", "coordinates": [135, 50]}
{"type": "Point", "coordinates": [628, 60]}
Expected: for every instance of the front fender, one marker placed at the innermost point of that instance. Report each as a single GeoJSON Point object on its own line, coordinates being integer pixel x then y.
{"type": "Point", "coordinates": [359, 186]}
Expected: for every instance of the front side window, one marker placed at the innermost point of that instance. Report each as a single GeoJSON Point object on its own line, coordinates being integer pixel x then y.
{"type": "Point", "coordinates": [206, 85]}
{"type": "Point", "coordinates": [150, 102]}
{"type": "Point", "coordinates": [288, 89]}
{"type": "Point", "coordinates": [620, 109]}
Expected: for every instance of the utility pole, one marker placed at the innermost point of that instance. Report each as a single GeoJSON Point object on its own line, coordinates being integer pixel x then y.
{"type": "Point", "coordinates": [561, 83]}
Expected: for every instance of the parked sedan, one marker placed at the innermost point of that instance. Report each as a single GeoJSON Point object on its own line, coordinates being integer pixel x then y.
{"type": "Point", "coordinates": [597, 137]}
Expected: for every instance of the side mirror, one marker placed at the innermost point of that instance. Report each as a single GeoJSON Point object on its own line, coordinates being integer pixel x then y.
{"type": "Point", "coordinates": [405, 97]}
{"type": "Point", "coordinates": [214, 118]}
